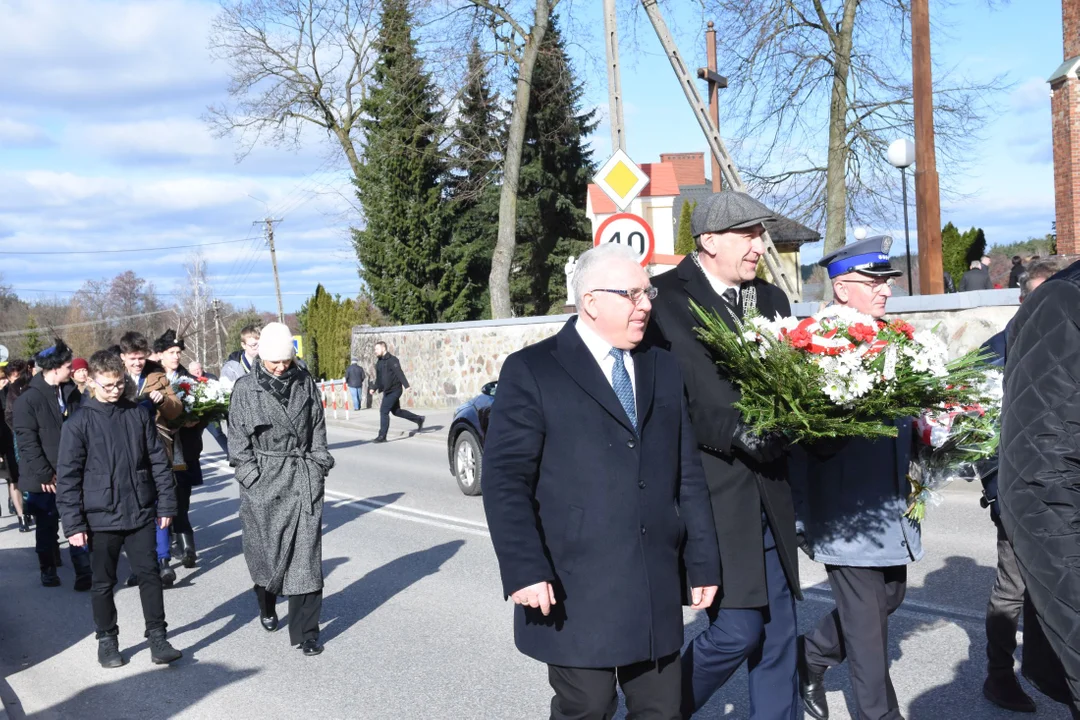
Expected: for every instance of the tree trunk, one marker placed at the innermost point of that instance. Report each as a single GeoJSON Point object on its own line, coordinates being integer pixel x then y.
{"type": "Point", "coordinates": [499, 279]}
{"type": "Point", "coordinates": [836, 170]}
{"type": "Point", "coordinates": [345, 139]}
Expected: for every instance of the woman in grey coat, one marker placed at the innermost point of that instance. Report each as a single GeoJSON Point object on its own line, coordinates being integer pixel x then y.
{"type": "Point", "coordinates": [277, 443]}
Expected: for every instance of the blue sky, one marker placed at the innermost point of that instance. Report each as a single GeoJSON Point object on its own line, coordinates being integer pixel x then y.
{"type": "Point", "coordinates": [102, 146]}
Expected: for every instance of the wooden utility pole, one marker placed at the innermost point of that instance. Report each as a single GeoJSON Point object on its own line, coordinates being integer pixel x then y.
{"type": "Point", "coordinates": [615, 108]}
{"type": "Point", "coordinates": [217, 331]}
{"type": "Point", "coordinates": [716, 81]}
{"type": "Point", "coordinates": [273, 261]}
{"type": "Point", "coordinates": [927, 191]}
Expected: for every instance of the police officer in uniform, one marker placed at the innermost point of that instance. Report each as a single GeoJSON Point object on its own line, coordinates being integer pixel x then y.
{"type": "Point", "coordinates": [851, 497]}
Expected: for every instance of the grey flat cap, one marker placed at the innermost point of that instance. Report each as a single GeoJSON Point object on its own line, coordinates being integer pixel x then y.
{"type": "Point", "coordinates": [728, 210]}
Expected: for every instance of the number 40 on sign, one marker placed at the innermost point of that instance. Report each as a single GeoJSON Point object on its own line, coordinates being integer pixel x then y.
{"type": "Point", "coordinates": [630, 230]}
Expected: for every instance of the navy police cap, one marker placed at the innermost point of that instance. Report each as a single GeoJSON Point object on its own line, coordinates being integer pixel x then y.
{"type": "Point", "coordinates": [869, 257]}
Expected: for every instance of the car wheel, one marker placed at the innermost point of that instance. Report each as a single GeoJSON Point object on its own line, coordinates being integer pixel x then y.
{"type": "Point", "coordinates": [467, 462]}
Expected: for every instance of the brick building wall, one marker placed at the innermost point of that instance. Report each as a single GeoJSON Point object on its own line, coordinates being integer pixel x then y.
{"type": "Point", "coordinates": [1065, 114]}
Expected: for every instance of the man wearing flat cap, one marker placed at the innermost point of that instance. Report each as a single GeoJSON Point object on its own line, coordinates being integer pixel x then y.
{"type": "Point", "coordinates": [753, 617]}
{"type": "Point", "coordinates": [851, 497]}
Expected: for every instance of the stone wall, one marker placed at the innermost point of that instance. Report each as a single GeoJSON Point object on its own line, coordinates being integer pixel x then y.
{"type": "Point", "coordinates": [448, 364]}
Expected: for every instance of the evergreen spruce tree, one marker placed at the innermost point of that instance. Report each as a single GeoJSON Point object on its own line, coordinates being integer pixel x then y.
{"type": "Point", "coordinates": [555, 173]}
{"type": "Point", "coordinates": [953, 252]}
{"type": "Point", "coordinates": [401, 182]}
{"type": "Point", "coordinates": [684, 239]}
{"type": "Point", "coordinates": [474, 195]}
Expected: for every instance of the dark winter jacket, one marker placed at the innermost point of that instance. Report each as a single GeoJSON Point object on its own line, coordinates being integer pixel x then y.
{"type": "Point", "coordinates": [976, 279]}
{"type": "Point", "coordinates": [1040, 458]}
{"type": "Point", "coordinates": [37, 426]}
{"type": "Point", "coordinates": [113, 474]}
{"type": "Point", "coordinates": [354, 376]}
{"type": "Point", "coordinates": [1014, 275]}
{"type": "Point", "coordinates": [388, 375]}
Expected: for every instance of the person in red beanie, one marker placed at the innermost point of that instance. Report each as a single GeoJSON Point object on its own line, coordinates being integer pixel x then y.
{"type": "Point", "coordinates": [80, 373]}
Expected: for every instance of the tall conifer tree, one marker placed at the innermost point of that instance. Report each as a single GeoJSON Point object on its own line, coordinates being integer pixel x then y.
{"type": "Point", "coordinates": [555, 173]}
{"type": "Point", "coordinates": [401, 182]}
{"type": "Point", "coordinates": [474, 193]}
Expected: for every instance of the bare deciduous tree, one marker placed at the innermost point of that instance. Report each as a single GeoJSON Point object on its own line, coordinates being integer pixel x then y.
{"type": "Point", "coordinates": [294, 63]}
{"type": "Point", "coordinates": [801, 70]}
{"type": "Point", "coordinates": [522, 42]}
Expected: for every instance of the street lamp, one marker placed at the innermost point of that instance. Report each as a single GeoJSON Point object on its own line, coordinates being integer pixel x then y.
{"type": "Point", "coordinates": [902, 155]}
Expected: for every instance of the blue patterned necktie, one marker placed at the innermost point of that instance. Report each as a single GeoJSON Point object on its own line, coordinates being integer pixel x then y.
{"type": "Point", "coordinates": [624, 389]}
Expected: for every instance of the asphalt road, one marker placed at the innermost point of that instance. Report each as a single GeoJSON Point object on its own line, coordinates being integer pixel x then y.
{"type": "Point", "coordinates": [413, 619]}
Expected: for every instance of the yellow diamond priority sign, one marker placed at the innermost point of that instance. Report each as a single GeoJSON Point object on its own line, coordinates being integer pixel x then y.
{"type": "Point", "coordinates": [621, 180]}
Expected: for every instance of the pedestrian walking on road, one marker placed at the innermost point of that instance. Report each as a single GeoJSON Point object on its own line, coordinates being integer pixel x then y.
{"type": "Point", "coordinates": [390, 380]}
{"type": "Point", "coordinates": [187, 450]}
{"type": "Point", "coordinates": [17, 376]}
{"type": "Point", "coordinates": [354, 379]}
{"type": "Point", "coordinates": [852, 497]}
{"type": "Point", "coordinates": [277, 443]}
{"type": "Point", "coordinates": [242, 361]}
{"type": "Point", "coordinates": [591, 483]}
{"type": "Point", "coordinates": [39, 414]}
{"type": "Point", "coordinates": [753, 618]}
{"type": "Point", "coordinates": [145, 384]}
{"type": "Point", "coordinates": [1038, 478]}
{"type": "Point", "coordinates": [1006, 602]}
{"type": "Point", "coordinates": [114, 487]}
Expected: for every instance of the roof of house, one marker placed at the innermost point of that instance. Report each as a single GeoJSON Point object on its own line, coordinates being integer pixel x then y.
{"type": "Point", "coordinates": [662, 183]}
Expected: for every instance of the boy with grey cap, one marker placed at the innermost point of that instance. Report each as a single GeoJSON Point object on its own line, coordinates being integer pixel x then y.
{"type": "Point", "coordinates": [753, 617]}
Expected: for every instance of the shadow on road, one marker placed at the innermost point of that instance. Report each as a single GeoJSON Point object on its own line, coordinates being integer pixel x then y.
{"type": "Point", "coordinates": [152, 695]}
{"type": "Point", "coordinates": [352, 604]}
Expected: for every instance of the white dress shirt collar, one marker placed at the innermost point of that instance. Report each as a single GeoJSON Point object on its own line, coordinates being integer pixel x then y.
{"type": "Point", "coordinates": [719, 286]}
{"type": "Point", "coordinates": [600, 349]}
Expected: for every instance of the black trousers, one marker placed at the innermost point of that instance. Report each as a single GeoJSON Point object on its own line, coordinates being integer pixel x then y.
{"type": "Point", "coordinates": [304, 612]}
{"type": "Point", "coordinates": [42, 507]}
{"type": "Point", "coordinates": [858, 631]}
{"type": "Point", "coordinates": [1003, 610]}
{"type": "Point", "coordinates": [653, 691]}
{"type": "Point", "coordinates": [185, 479]}
{"type": "Point", "coordinates": [141, 549]}
{"type": "Point", "coordinates": [391, 405]}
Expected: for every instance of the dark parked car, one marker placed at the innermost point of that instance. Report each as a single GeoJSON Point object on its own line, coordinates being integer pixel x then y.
{"type": "Point", "coordinates": [465, 442]}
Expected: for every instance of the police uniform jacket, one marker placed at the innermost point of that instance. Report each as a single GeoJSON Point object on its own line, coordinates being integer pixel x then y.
{"type": "Point", "coordinates": [851, 502]}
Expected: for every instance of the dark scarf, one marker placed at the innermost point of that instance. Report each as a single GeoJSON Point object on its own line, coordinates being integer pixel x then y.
{"type": "Point", "coordinates": [279, 387]}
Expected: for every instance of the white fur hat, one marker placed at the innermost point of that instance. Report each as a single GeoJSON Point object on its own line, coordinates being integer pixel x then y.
{"type": "Point", "coordinates": [275, 342]}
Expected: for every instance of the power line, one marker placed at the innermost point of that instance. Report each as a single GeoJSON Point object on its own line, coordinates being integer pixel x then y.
{"type": "Point", "coordinates": [50, 328]}
{"type": "Point", "coordinates": [123, 250]}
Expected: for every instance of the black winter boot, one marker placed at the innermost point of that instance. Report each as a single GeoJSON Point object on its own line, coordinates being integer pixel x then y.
{"type": "Point", "coordinates": [187, 550]}
{"type": "Point", "coordinates": [49, 578]}
{"type": "Point", "coordinates": [811, 685]}
{"type": "Point", "coordinates": [58, 558]}
{"type": "Point", "coordinates": [108, 652]}
{"type": "Point", "coordinates": [161, 652]}
{"type": "Point", "coordinates": [84, 573]}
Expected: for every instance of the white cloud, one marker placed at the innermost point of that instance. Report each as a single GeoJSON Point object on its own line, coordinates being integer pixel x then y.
{"type": "Point", "coordinates": [15, 134]}
{"type": "Point", "coordinates": [1032, 95]}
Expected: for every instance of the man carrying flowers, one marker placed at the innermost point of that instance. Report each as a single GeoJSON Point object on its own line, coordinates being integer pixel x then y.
{"type": "Point", "coordinates": [851, 498]}
{"type": "Point", "coordinates": [753, 617]}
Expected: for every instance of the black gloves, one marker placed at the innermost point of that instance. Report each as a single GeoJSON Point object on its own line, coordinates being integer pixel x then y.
{"type": "Point", "coordinates": [765, 448]}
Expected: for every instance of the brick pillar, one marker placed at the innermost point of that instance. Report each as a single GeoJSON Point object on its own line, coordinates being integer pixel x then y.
{"type": "Point", "coordinates": [1065, 113]}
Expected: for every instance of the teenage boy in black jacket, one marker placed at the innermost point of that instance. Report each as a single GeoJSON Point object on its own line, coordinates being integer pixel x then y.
{"type": "Point", "coordinates": [112, 484]}
{"type": "Point", "coordinates": [39, 413]}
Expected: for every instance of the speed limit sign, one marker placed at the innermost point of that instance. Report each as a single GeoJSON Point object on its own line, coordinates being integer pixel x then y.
{"type": "Point", "coordinates": [630, 230]}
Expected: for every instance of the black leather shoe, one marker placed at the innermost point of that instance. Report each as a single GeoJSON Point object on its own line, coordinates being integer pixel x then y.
{"type": "Point", "coordinates": [168, 575]}
{"type": "Point", "coordinates": [420, 425]}
{"type": "Point", "coordinates": [49, 578]}
{"type": "Point", "coordinates": [1005, 692]}
{"type": "Point", "coordinates": [311, 647]}
{"type": "Point", "coordinates": [379, 439]}
{"type": "Point", "coordinates": [811, 686]}
{"type": "Point", "coordinates": [187, 550]}
{"type": "Point", "coordinates": [24, 524]}
{"type": "Point", "coordinates": [270, 623]}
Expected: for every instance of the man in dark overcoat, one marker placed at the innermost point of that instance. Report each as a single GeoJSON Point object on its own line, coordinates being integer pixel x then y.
{"type": "Point", "coordinates": [593, 488]}
{"type": "Point", "coordinates": [754, 614]}
{"type": "Point", "coordinates": [390, 380]}
{"type": "Point", "coordinates": [852, 497]}
{"type": "Point", "coordinates": [1039, 476]}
